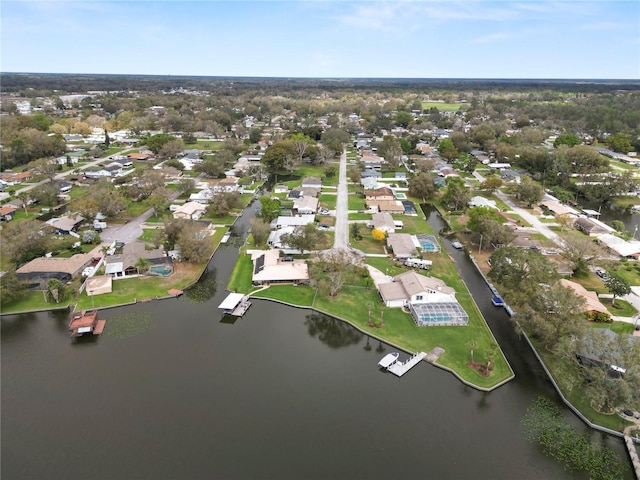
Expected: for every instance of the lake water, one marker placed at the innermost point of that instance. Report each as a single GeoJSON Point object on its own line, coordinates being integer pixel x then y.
{"type": "Point", "coordinates": [280, 393]}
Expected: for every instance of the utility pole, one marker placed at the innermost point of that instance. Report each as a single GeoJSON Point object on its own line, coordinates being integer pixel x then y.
{"type": "Point", "coordinates": [480, 247]}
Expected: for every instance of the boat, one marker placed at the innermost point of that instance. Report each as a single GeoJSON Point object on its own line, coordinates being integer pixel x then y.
{"type": "Point", "coordinates": [235, 304]}
{"type": "Point", "coordinates": [497, 301]}
{"type": "Point", "coordinates": [85, 323]}
{"type": "Point", "coordinates": [225, 238]}
{"type": "Point", "coordinates": [388, 360]}
{"type": "Point", "coordinates": [457, 245]}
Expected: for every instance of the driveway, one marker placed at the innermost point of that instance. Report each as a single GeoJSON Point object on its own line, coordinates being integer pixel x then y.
{"type": "Point", "coordinates": [127, 232]}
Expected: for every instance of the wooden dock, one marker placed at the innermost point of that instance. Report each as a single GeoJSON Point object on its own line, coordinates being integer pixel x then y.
{"type": "Point", "coordinates": [400, 368]}
{"type": "Point", "coordinates": [242, 308]}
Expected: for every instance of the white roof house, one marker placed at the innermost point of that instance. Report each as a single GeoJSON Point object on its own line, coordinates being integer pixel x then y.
{"type": "Point", "coordinates": [306, 205]}
{"type": "Point", "coordinates": [274, 239]}
{"type": "Point", "coordinates": [202, 196]}
{"type": "Point", "coordinates": [622, 247]}
{"type": "Point", "coordinates": [301, 220]}
{"type": "Point", "coordinates": [269, 269]}
{"type": "Point", "coordinates": [383, 221]}
{"type": "Point", "coordinates": [478, 201]}
{"type": "Point", "coordinates": [190, 210]}
{"type": "Point", "coordinates": [411, 287]}
{"type": "Point", "coordinates": [402, 245]}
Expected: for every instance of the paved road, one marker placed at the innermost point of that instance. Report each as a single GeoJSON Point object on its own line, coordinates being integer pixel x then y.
{"type": "Point", "coordinates": [73, 171]}
{"type": "Point", "coordinates": [526, 216]}
{"type": "Point", "coordinates": [341, 239]}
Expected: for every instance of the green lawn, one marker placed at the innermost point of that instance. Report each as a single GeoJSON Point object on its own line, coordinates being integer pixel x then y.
{"type": "Point", "coordinates": [367, 244]}
{"type": "Point", "coordinates": [442, 106]}
{"type": "Point", "coordinates": [621, 308]}
{"type": "Point", "coordinates": [148, 234]}
{"type": "Point", "coordinates": [359, 216]}
{"type": "Point", "coordinates": [327, 201]}
{"type": "Point", "coordinates": [621, 328]}
{"type": "Point", "coordinates": [356, 202]}
{"type": "Point", "coordinates": [240, 279]}
{"type": "Point", "coordinates": [32, 301]}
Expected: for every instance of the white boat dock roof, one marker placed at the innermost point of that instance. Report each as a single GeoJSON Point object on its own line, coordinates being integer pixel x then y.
{"type": "Point", "coordinates": [232, 300]}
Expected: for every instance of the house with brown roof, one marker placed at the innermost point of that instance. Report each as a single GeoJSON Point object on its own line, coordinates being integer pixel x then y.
{"type": "Point", "coordinates": [16, 177]}
{"type": "Point", "coordinates": [591, 301]}
{"type": "Point", "coordinates": [591, 227]}
{"type": "Point", "coordinates": [382, 193]}
{"type": "Point", "coordinates": [395, 207]}
{"type": "Point", "coordinates": [40, 270]}
{"type": "Point", "coordinates": [305, 206]}
{"type": "Point", "coordinates": [311, 182]}
{"type": "Point", "coordinates": [140, 156]}
{"type": "Point", "coordinates": [6, 212]}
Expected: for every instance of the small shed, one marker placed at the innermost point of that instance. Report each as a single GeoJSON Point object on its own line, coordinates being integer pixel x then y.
{"type": "Point", "coordinates": [99, 285]}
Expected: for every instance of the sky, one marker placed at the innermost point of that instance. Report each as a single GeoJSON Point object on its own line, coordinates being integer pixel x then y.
{"type": "Point", "coordinates": [329, 39]}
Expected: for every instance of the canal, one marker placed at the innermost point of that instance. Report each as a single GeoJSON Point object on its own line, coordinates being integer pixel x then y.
{"type": "Point", "coordinates": [280, 393]}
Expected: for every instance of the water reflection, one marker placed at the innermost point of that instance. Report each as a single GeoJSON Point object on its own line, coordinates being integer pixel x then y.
{"type": "Point", "coordinates": [16, 325]}
{"type": "Point", "coordinates": [204, 289]}
{"type": "Point", "coordinates": [330, 331]}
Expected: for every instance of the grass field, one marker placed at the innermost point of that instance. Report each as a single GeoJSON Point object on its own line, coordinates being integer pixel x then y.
{"type": "Point", "coordinates": [442, 106]}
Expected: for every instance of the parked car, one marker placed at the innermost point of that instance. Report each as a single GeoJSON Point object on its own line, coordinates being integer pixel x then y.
{"type": "Point", "coordinates": [324, 211]}
{"type": "Point", "coordinates": [601, 272]}
{"type": "Point", "coordinates": [323, 226]}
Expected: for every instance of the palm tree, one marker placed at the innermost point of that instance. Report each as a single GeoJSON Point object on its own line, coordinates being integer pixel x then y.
{"type": "Point", "coordinates": [142, 265]}
{"type": "Point", "coordinates": [56, 291]}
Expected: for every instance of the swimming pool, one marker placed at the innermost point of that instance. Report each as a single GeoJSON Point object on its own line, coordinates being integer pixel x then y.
{"type": "Point", "coordinates": [401, 196]}
{"type": "Point", "coordinates": [428, 243]}
{"type": "Point", "coordinates": [163, 270]}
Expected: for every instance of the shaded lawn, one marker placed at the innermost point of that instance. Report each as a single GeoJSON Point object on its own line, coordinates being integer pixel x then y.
{"type": "Point", "coordinates": [32, 300]}
{"type": "Point", "coordinates": [621, 328]}
{"type": "Point", "coordinates": [563, 372]}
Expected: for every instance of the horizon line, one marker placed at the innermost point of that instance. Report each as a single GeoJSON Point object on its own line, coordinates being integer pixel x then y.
{"type": "Point", "coordinates": [293, 77]}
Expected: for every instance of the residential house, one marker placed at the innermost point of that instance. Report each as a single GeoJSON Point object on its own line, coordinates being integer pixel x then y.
{"type": "Point", "coordinates": [275, 237]}
{"type": "Point", "coordinates": [65, 225]}
{"type": "Point", "coordinates": [478, 201]}
{"type": "Point", "coordinates": [229, 184]}
{"type": "Point", "coordinates": [39, 271]}
{"type": "Point", "coordinates": [6, 212]}
{"type": "Point", "coordinates": [411, 287]}
{"type": "Point", "coordinates": [590, 352]}
{"type": "Point", "coordinates": [395, 207]}
{"type": "Point", "coordinates": [140, 156]}
{"type": "Point", "coordinates": [382, 221]}
{"type": "Point", "coordinates": [430, 301]}
{"type": "Point", "coordinates": [402, 245]}
{"type": "Point", "coordinates": [382, 193]}
{"type": "Point", "coordinates": [370, 173]}
{"type": "Point", "coordinates": [311, 182]}
{"type": "Point", "coordinates": [202, 196]}
{"type": "Point", "coordinates": [370, 183]}
{"type": "Point", "coordinates": [305, 206]}
{"type": "Point", "coordinates": [16, 177]}
{"type": "Point", "coordinates": [269, 269]}
{"type": "Point", "coordinates": [281, 188]}
{"type": "Point", "coordinates": [190, 211]}
{"type": "Point", "coordinates": [620, 246]}
{"type": "Point", "coordinates": [592, 302]}
{"type": "Point", "coordinates": [591, 226]}
{"type": "Point", "coordinates": [299, 221]}
{"type": "Point", "coordinates": [123, 265]}
{"type": "Point", "coordinates": [558, 209]}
